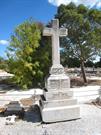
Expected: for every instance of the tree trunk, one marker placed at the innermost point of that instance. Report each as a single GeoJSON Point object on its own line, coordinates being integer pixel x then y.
{"type": "Point", "coordinates": [83, 72]}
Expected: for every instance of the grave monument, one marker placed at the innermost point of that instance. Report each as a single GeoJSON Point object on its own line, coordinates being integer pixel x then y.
{"type": "Point", "coordinates": [57, 103]}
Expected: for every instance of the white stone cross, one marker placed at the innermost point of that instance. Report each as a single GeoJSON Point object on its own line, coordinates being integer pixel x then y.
{"type": "Point", "coordinates": [55, 32]}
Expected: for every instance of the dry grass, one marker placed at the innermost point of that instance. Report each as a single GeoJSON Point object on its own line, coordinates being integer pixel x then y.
{"type": "Point", "coordinates": [79, 82]}
{"type": "Point", "coordinates": [2, 109]}
{"type": "Point", "coordinates": [27, 101]}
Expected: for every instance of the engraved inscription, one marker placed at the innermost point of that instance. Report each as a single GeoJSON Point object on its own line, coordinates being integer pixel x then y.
{"type": "Point", "coordinates": [57, 71]}
{"type": "Point", "coordinates": [54, 84]}
{"type": "Point", "coordinates": [64, 83]}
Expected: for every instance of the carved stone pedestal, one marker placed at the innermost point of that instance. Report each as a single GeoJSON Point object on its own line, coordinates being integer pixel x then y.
{"type": "Point", "coordinates": [58, 103]}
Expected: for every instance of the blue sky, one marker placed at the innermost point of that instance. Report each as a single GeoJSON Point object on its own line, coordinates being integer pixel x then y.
{"type": "Point", "coordinates": [89, 3]}
{"type": "Point", "coordinates": [14, 12]}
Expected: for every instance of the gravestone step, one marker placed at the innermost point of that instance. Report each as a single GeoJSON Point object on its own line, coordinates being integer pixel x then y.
{"type": "Point", "coordinates": [58, 103]}
{"type": "Point", "coordinates": [58, 95]}
{"type": "Point", "coordinates": [56, 114]}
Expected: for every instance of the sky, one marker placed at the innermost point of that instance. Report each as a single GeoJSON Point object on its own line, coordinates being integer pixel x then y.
{"type": "Point", "coordinates": [89, 3]}
{"type": "Point", "coordinates": [15, 12]}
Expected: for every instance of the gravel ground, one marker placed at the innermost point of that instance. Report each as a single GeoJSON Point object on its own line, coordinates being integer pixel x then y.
{"type": "Point", "coordinates": [89, 124]}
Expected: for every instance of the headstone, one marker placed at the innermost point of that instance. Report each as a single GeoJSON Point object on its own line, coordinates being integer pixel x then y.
{"type": "Point", "coordinates": [58, 103]}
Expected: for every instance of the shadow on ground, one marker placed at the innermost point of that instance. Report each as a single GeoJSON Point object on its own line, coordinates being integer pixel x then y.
{"type": "Point", "coordinates": [33, 114]}
{"type": "Point", "coordinates": [8, 87]}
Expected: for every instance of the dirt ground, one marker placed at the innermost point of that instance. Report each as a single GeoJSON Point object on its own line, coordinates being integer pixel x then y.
{"type": "Point", "coordinates": [79, 82]}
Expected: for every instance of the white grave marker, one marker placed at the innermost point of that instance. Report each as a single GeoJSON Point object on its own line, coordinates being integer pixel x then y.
{"type": "Point", "coordinates": [55, 32]}
{"type": "Point", "coordinates": [58, 103]}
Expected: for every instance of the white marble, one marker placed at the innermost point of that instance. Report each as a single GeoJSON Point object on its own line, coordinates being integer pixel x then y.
{"type": "Point", "coordinates": [58, 103]}
{"type": "Point", "coordinates": [55, 33]}
{"type": "Point", "coordinates": [59, 82]}
{"type": "Point", "coordinates": [58, 95]}
{"type": "Point", "coordinates": [62, 113]}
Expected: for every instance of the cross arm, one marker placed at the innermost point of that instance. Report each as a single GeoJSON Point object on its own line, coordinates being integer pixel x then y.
{"type": "Point", "coordinates": [47, 31]}
{"type": "Point", "coordinates": [63, 32]}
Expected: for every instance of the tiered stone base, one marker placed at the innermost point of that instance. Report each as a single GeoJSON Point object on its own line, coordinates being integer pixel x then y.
{"type": "Point", "coordinates": [62, 113]}
{"type": "Point", "coordinates": [59, 110]}
{"type": "Point", "coordinates": [58, 103]}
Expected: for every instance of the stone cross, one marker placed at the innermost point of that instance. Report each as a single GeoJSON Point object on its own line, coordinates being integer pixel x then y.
{"type": "Point", "coordinates": [55, 32]}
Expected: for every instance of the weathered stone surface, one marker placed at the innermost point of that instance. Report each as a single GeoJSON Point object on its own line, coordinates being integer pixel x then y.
{"type": "Point", "coordinates": [58, 83]}
{"type": "Point", "coordinates": [55, 33]}
{"type": "Point", "coordinates": [58, 95]}
{"type": "Point", "coordinates": [58, 103]}
{"type": "Point", "coordinates": [57, 69]}
{"type": "Point", "coordinates": [63, 113]}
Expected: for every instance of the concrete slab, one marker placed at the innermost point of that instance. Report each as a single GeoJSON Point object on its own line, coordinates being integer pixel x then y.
{"type": "Point", "coordinates": [57, 114]}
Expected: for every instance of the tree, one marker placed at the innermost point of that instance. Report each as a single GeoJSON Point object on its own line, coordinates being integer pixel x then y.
{"type": "Point", "coordinates": [27, 56]}
{"type": "Point", "coordinates": [84, 32]}
{"type": "Point", "coordinates": [3, 63]}
{"type": "Point", "coordinates": [98, 64]}
{"type": "Point", "coordinates": [69, 61]}
{"type": "Point", "coordinates": [89, 64]}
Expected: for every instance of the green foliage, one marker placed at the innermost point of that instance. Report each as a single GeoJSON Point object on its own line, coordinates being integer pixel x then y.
{"type": "Point", "coordinates": [98, 64]}
{"type": "Point", "coordinates": [27, 57]}
{"type": "Point", "coordinates": [69, 61]}
{"type": "Point", "coordinates": [89, 64]}
{"type": "Point", "coordinates": [3, 63]}
{"type": "Point", "coordinates": [84, 30]}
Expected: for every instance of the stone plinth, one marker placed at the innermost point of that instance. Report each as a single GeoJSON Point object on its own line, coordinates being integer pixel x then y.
{"type": "Point", "coordinates": [58, 103]}
{"type": "Point", "coordinates": [62, 113]}
{"type": "Point", "coordinates": [58, 82]}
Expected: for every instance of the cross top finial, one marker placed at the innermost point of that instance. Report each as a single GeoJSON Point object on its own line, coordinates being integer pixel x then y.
{"type": "Point", "coordinates": [55, 32]}
{"type": "Point", "coordinates": [55, 23]}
